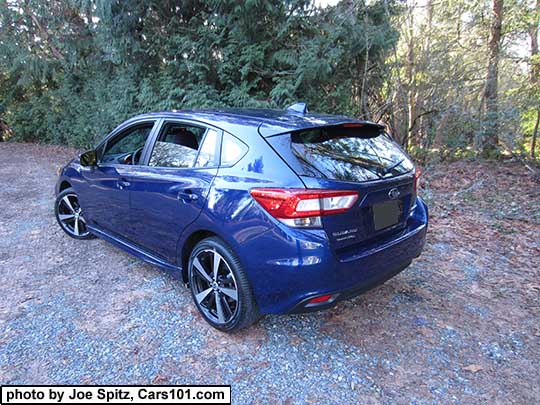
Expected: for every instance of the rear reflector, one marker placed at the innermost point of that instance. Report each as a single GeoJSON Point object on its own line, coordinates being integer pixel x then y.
{"type": "Point", "coordinates": [290, 203]}
{"type": "Point", "coordinates": [320, 299]}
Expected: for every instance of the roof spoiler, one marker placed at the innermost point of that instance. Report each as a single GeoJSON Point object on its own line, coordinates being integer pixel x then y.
{"type": "Point", "coordinates": [297, 108]}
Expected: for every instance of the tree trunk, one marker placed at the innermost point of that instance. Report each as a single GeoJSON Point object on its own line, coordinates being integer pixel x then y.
{"type": "Point", "coordinates": [411, 85]}
{"type": "Point", "coordinates": [533, 34]}
{"type": "Point", "coordinates": [490, 137]}
{"type": "Point", "coordinates": [363, 93]}
{"type": "Point", "coordinates": [535, 69]}
{"type": "Point", "coordinates": [535, 133]}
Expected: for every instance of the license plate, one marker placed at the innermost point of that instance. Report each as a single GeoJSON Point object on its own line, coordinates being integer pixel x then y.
{"type": "Point", "coordinates": [386, 214]}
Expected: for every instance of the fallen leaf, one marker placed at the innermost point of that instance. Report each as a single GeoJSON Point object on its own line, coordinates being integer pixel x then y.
{"type": "Point", "coordinates": [160, 379]}
{"type": "Point", "coordinates": [473, 368]}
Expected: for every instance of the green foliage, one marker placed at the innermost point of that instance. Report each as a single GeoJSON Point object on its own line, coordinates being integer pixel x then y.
{"type": "Point", "coordinates": [71, 70]}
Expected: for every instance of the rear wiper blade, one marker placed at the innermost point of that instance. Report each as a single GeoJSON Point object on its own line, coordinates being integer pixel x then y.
{"type": "Point", "coordinates": [389, 169]}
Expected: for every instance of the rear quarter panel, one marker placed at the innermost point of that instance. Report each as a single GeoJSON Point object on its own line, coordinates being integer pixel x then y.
{"type": "Point", "coordinates": [233, 215]}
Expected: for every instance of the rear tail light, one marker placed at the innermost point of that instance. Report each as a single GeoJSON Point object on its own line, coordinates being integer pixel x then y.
{"type": "Point", "coordinates": [303, 207]}
{"type": "Point", "coordinates": [417, 175]}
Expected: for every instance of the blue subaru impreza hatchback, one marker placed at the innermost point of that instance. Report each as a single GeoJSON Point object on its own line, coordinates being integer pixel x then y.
{"type": "Point", "coordinates": [258, 211]}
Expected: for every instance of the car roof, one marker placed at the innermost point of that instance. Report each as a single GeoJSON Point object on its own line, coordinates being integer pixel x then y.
{"type": "Point", "coordinates": [268, 122]}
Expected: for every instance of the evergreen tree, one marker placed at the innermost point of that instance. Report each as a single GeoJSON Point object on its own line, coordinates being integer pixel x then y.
{"type": "Point", "coordinates": [73, 69]}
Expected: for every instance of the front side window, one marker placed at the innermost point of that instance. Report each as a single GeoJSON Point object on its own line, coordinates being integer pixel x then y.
{"type": "Point", "coordinates": [177, 146]}
{"type": "Point", "coordinates": [126, 147]}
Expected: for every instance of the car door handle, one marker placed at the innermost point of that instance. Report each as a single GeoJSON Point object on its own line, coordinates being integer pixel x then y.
{"type": "Point", "coordinates": [187, 196]}
{"type": "Point", "coordinates": [123, 184]}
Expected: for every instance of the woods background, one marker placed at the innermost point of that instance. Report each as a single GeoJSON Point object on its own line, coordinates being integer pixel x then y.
{"type": "Point", "coordinates": [450, 78]}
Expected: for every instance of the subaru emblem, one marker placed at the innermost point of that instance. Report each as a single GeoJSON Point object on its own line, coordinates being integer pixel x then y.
{"type": "Point", "coordinates": [393, 193]}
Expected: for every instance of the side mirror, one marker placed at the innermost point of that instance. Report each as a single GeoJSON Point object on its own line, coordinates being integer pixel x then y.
{"type": "Point", "coordinates": [89, 158]}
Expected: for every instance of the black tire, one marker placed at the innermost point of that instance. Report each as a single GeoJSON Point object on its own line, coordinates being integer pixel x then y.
{"type": "Point", "coordinates": [235, 315]}
{"type": "Point", "coordinates": [69, 215]}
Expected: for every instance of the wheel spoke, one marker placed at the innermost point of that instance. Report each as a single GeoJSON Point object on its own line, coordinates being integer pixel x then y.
{"type": "Point", "coordinates": [68, 204]}
{"type": "Point", "coordinates": [217, 260]}
{"type": "Point", "coordinates": [230, 292]}
{"type": "Point", "coordinates": [82, 219]}
{"type": "Point", "coordinates": [202, 295]}
{"type": "Point", "coordinates": [219, 308]}
{"type": "Point", "coordinates": [228, 308]}
{"type": "Point", "coordinates": [65, 217]}
{"type": "Point", "coordinates": [198, 266]}
{"type": "Point", "coordinates": [76, 227]}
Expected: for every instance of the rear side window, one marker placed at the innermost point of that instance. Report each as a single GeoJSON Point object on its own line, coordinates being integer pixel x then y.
{"type": "Point", "coordinates": [232, 150]}
{"type": "Point", "coordinates": [343, 153]}
{"type": "Point", "coordinates": [207, 154]}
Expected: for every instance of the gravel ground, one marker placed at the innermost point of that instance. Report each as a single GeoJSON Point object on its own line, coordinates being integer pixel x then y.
{"type": "Point", "coordinates": [460, 325]}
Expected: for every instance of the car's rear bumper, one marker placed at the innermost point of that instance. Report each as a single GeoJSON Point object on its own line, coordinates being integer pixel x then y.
{"type": "Point", "coordinates": [337, 296]}
{"type": "Point", "coordinates": [287, 285]}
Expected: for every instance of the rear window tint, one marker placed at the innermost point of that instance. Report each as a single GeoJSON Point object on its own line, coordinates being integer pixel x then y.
{"type": "Point", "coordinates": [341, 153]}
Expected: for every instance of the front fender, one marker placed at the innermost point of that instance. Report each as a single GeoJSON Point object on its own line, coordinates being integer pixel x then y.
{"type": "Point", "coordinates": [71, 173]}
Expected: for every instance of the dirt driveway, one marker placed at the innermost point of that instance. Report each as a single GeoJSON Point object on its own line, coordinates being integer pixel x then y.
{"type": "Point", "coordinates": [461, 324]}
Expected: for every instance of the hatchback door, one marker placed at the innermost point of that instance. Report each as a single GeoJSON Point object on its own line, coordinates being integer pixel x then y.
{"type": "Point", "coordinates": [106, 194]}
{"type": "Point", "coordinates": [169, 192]}
{"type": "Point", "coordinates": [359, 157]}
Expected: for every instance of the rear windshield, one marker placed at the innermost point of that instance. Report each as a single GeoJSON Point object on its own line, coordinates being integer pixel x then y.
{"type": "Point", "coordinates": [343, 153]}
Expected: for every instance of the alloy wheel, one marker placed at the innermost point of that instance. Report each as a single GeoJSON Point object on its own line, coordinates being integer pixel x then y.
{"type": "Point", "coordinates": [70, 216]}
{"type": "Point", "coordinates": [214, 286]}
